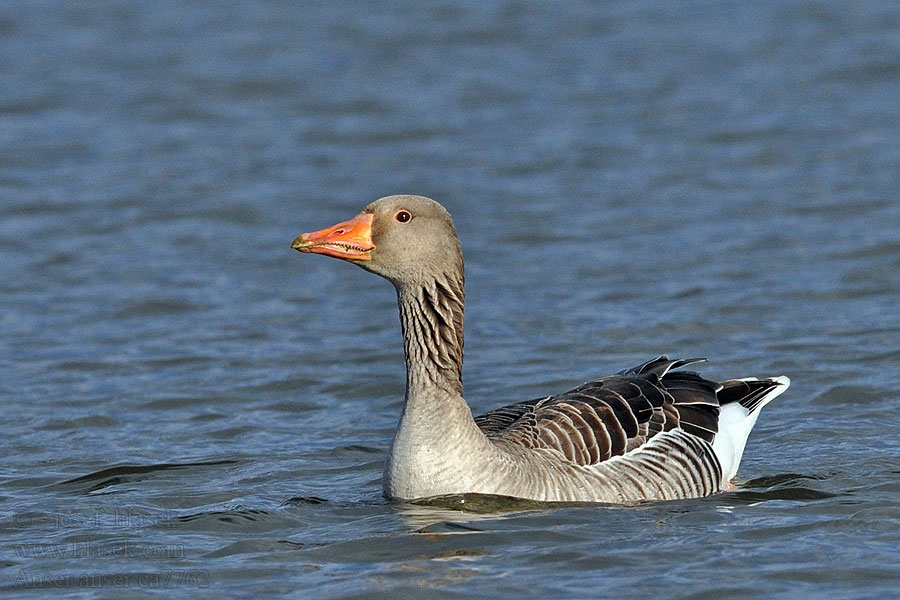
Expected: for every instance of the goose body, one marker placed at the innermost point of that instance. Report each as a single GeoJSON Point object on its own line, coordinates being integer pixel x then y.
{"type": "Point", "coordinates": [652, 432]}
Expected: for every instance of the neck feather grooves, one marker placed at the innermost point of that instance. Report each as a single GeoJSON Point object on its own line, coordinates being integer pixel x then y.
{"type": "Point", "coordinates": [432, 319]}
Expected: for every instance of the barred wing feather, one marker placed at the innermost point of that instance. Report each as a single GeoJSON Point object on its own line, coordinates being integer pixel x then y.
{"type": "Point", "coordinates": [611, 416]}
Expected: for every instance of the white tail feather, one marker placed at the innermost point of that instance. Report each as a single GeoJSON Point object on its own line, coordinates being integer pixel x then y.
{"type": "Point", "coordinates": [735, 423]}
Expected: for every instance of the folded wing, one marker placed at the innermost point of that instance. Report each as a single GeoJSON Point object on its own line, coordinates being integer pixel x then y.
{"type": "Point", "coordinates": [611, 416]}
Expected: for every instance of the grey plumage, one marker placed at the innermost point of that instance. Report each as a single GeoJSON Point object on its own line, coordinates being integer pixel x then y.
{"type": "Point", "coordinates": [651, 432]}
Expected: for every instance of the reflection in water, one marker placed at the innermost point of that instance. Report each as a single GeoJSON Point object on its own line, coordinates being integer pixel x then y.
{"type": "Point", "coordinates": [455, 513]}
{"type": "Point", "coordinates": [436, 520]}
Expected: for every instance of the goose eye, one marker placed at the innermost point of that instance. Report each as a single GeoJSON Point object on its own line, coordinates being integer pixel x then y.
{"type": "Point", "coordinates": [402, 216]}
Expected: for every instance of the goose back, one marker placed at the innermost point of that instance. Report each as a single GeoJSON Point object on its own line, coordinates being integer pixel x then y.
{"type": "Point", "coordinates": [611, 416]}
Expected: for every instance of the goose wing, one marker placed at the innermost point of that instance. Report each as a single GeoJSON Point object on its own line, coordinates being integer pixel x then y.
{"type": "Point", "coordinates": [611, 416]}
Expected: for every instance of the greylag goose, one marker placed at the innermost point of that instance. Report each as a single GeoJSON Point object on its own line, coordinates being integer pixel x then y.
{"type": "Point", "coordinates": [651, 432]}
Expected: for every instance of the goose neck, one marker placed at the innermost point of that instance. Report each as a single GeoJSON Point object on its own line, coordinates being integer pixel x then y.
{"type": "Point", "coordinates": [431, 314]}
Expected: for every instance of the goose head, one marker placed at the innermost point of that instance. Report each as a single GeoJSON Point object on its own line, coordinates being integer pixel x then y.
{"type": "Point", "coordinates": [408, 240]}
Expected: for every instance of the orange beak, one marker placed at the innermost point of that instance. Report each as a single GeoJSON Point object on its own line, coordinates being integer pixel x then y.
{"type": "Point", "coordinates": [350, 240]}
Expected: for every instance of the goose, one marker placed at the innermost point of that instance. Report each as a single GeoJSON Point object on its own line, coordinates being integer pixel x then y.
{"type": "Point", "coordinates": [651, 432]}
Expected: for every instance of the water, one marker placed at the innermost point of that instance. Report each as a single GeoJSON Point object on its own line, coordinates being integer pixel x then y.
{"type": "Point", "coordinates": [190, 408]}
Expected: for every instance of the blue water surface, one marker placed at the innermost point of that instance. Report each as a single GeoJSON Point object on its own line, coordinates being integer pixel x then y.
{"type": "Point", "coordinates": [191, 409]}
